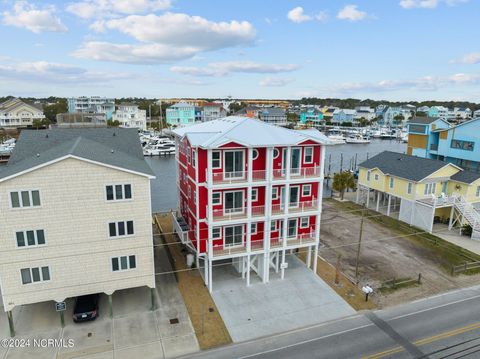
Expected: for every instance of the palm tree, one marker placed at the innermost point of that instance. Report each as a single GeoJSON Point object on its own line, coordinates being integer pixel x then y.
{"type": "Point", "coordinates": [343, 181]}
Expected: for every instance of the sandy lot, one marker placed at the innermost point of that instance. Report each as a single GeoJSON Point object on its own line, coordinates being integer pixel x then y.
{"type": "Point", "coordinates": [383, 258]}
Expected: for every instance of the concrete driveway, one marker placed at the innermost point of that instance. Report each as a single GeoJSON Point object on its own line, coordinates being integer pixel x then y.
{"type": "Point", "coordinates": [135, 330]}
{"type": "Point", "coordinates": [300, 299]}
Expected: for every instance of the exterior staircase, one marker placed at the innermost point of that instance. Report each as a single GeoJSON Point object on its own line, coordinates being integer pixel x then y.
{"type": "Point", "coordinates": [470, 215]}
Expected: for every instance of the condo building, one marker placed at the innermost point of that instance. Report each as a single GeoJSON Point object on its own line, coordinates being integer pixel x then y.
{"type": "Point", "coordinates": [249, 194]}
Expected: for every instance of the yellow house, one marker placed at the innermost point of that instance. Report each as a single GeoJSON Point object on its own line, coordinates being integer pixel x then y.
{"type": "Point", "coordinates": [422, 191]}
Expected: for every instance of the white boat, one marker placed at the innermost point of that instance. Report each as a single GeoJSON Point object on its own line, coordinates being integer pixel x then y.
{"type": "Point", "coordinates": [357, 139]}
{"type": "Point", "coordinates": [404, 137]}
{"type": "Point", "coordinates": [336, 139]}
{"type": "Point", "coordinates": [159, 149]}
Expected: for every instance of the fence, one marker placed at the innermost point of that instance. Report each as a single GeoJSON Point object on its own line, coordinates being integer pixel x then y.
{"type": "Point", "coordinates": [401, 282]}
{"type": "Point", "coordinates": [464, 267]}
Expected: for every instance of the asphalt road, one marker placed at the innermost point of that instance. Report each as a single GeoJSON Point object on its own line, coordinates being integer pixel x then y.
{"type": "Point", "coordinates": [444, 326]}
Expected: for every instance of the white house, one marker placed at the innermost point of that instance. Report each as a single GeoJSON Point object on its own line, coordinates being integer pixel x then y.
{"type": "Point", "coordinates": [130, 116]}
{"type": "Point", "coordinates": [18, 113]}
{"type": "Point", "coordinates": [76, 216]}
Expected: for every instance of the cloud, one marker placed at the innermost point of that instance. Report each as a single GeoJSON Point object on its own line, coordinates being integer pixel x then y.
{"type": "Point", "coordinates": [297, 15]}
{"type": "Point", "coordinates": [165, 38]}
{"type": "Point", "coordinates": [469, 59]}
{"type": "Point", "coordinates": [43, 71]}
{"type": "Point", "coordinates": [274, 82]}
{"type": "Point", "coordinates": [428, 4]}
{"type": "Point", "coordinates": [106, 8]}
{"type": "Point", "coordinates": [28, 16]}
{"type": "Point", "coordinates": [219, 69]}
{"type": "Point", "coordinates": [351, 13]}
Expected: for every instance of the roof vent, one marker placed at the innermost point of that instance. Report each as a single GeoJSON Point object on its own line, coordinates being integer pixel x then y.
{"type": "Point", "coordinates": [111, 151]}
{"type": "Point", "coordinates": [38, 154]}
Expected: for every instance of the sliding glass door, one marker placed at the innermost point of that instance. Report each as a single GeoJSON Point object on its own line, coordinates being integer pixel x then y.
{"type": "Point", "coordinates": [233, 202]}
{"type": "Point", "coordinates": [233, 236]}
{"type": "Point", "coordinates": [234, 164]}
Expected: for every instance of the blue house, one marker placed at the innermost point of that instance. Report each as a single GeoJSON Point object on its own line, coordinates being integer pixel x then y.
{"type": "Point", "coordinates": [344, 115]}
{"type": "Point", "coordinates": [182, 114]}
{"type": "Point", "coordinates": [437, 139]}
{"type": "Point", "coordinates": [311, 116]}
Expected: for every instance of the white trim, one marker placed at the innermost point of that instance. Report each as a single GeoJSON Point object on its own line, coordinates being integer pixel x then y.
{"type": "Point", "coordinates": [290, 197]}
{"type": "Point", "coordinates": [296, 227]}
{"type": "Point", "coordinates": [77, 158]}
{"type": "Point", "coordinates": [305, 154]}
{"type": "Point", "coordinates": [20, 201]}
{"type": "Point", "coordinates": [255, 151]}
{"type": "Point", "coordinates": [220, 160]}
{"type": "Point", "coordinates": [278, 153]}
{"type": "Point", "coordinates": [115, 192]}
{"type": "Point", "coordinates": [301, 222]}
{"type": "Point", "coordinates": [219, 198]}
{"type": "Point", "coordinates": [242, 201]}
{"type": "Point", "coordinates": [224, 236]}
{"type": "Point", "coordinates": [26, 246]}
{"type": "Point", "coordinates": [242, 171]}
{"type": "Point", "coordinates": [40, 273]}
{"type": "Point", "coordinates": [274, 193]}
{"type": "Point", "coordinates": [119, 263]}
{"type": "Point", "coordinates": [254, 194]}
{"type": "Point", "coordinates": [309, 186]}
{"type": "Point", "coordinates": [274, 229]}
{"type": "Point", "coordinates": [219, 233]}
{"type": "Point", "coordinates": [116, 229]}
{"type": "Point", "coordinates": [256, 228]}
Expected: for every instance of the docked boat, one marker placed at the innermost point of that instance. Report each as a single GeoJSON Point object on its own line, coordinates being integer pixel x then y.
{"type": "Point", "coordinates": [357, 139]}
{"type": "Point", "coordinates": [159, 150]}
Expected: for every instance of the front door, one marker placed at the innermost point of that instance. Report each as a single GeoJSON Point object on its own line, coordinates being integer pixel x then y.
{"type": "Point", "coordinates": [295, 161]}
{"type": "Point", "coordinates": [233, 202]}
{"type": "Point", "coordinates": [233, 164]}
{"type": "Point", "coordinates": [282, 198]}
{"type": "Point", "coordinates": [294, 196]}
{"type": "Point", "coordinates": [292, 228]}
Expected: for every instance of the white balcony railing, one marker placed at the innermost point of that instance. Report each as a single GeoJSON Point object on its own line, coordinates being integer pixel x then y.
{"type": "Point", "coordinates": [261, 175]}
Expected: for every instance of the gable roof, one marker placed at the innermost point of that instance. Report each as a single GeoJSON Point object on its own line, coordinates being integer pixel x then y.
{"type": "Point", "coordinates": [119, 148]}
{"type": "Point", "coordinates": [404, 166]}
{"type": "Point", "coordinates": [245, 131]}
{"type": "Point", "coordinates": [466, 176]}
{"type": "Point", "coordinates": [423, 120]}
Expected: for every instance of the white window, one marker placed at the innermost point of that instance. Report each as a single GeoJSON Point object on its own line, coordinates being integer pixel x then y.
{"type": "Point", "coordinates": [430, 188]}
{"type": "Point", "coordinates": [118, 192]}
{"type": "Point", "coordinates": [308, 155]}
{"type": "Point", "coordinates": [21, 199]}
{"type": "Point", "coordinates": [120, 229]}
{"type": "Point", "coordinates": [216, 163]}
{"type": "Point", "coordinates": [30, 238]}
{"type": "Point", "coordinates": [307, 190]}
{"type": "Point", "coordinates": [391, 182]}
{"type": "Point", "coordinates": [253, 228]}
{"type": "Point", "coordinates": [376, 177]}
{"type": "Point", "coordinates": [193, 157]}
{"type": "Point", "coordinates": [275, 193]}
{"type": "Point", "coordinates": [217, 198]}
{"type": "Point", "coordinates": [254, 194]}
{"type": "Point", "coordinates": [409, 187]}
{"type": "Point", "coordinates": [216, 232]}
{"type": "Point", "coordinates": [233, 236]}
{"type": "Point", "coordinates": [478, 191]}
{"type": "Point", "coordinates": [304, 222]}
{"type": "Point", "coordinates": [273, 226]}
{"type": "Point", "coordinates": [35, 275]}
{"type": "Point", "coordinates": [254, 154]}
{"type": "Point", "coordinates": [124, 263]}
{"type": "Point", "coordinates": [188, 155]}
{"type": "Point", "coordinates": [276, 153]}
{"type": "Point", "coordinates": [368, 175]}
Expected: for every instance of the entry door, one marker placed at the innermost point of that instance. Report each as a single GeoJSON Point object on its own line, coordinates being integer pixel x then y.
{"type": "Point", "coordinates": [233, 164]}
{"type": "Point", "coordinates": [294, 196]}
{"type": "Point", "coordinates": [295, 161]}
{"type": "Point", "coordinates": [292, 228]}
{"type": "Point", "coordinates": [233, 236]}
{"type": "Point", "coordinates": [284, 161]}
{"type": "Point", "coordinates": [282, 198]}
{"type": "Point", "coordinates": [233, 202]}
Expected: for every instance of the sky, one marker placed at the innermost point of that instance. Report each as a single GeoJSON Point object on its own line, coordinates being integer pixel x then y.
{"type": "Point", "coordinates": [403, 50]}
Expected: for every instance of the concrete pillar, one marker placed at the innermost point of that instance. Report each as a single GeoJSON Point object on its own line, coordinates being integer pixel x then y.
{"type": "Point", "coordinates": [10, 323]}
{"type": "Point", "coordinates": [110, 306]}
{"type": "Point", "coordinates": [248, 270]}
{"type": "Point", "coordinates": [277, 261]}
{"type": "Point", "coordinates": [388, 205]}
{"type": "Point", "coordinates": [450, 221]}
{"type": "Point", "coordinates": [368, 197]}
{"type": "Point", "coordinates": [152, 298]}
{"type": "Point", "coordinates": [378, 201]}
{"type": "Point", "coordinates": [315, 258]}
{"type": "Point", "coordinates": [309, 256]}
{"type": "Point", "coordinates": [282, 269]}
{"type": "Point", "coordinates": [210, 265]}
{"type": "Point", "coordinates": [357, 199]}
{"type": "Point", "coordinates": [205, 265]}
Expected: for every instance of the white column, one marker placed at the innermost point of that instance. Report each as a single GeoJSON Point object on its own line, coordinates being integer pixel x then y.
{"type": "Point", "coordinates": [368, 196]}
{"type": "Point", "coordinates": [248, 269]}
{"type": "Point", "coordinates": [388, 205]}
{"type": "Point", "coordinates": [205, 264]}
{"type": "Point", "coordinates": [287, 176]}
{"type": "Point", "coordinates": [319, 215]}
{"type": "Point", "coordinates": [378, 201]}
{"type": "Point", "coordinates": [358, 195]}
{"type": "Point", "coordinates": [249, 210]}
{"type": "Point", "coordinates": [309, 256]}
{"type": "Point", "coordinates": [210, 219]}
{"type": "Point", "coordinates": [450, 221]}
{"type": "Point", "coordinates": [268, 214]}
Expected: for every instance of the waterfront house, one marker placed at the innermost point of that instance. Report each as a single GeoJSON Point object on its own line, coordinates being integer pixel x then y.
{"type": "Point", "coordinates": [420, 191]}
{"type": "Point", "coordinates": [365, 112]}
{"type": "Point", "coordinates": [183, 114]}
{"type": "Point", "coordinates": [476, 114]}
{"type": "Point", "coordinates": [438, 111]}
{"type": "Point", "coordinates": [130, 116]}
{"type": "Point", "coordinates": [273, 115]}
{"type": "Point", "coordinates": [391, 115]}
{"type": "Point", "coordinates": [18, 113]}
{"type": "Point", "coordinates": [458, 144]}
{"type": "Point", "coordinates": [92, 104]}
{"type": "Point", "coordinates": [249, 192]}
{"type": "Point", "coordinates": [343, 115]}
{"type": "Point", "coordinates": [213, 110]}
{"type": "Point", "coordinates": [311, 117]}
{"type": "Point", "coordinates": [249, 111]}
{"type": "Point", "coordinates": [76, 216]}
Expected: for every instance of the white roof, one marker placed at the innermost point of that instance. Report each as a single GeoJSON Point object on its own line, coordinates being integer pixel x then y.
{"type": "Point", "coordinates": [245, 131]}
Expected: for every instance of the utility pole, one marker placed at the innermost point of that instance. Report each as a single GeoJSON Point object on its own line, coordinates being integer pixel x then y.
{"type": "Point", "coordinates": [359, 246]}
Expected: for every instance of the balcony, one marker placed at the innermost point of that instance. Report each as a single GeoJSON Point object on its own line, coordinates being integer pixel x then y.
{"type": "Point", "coordinates": [296, 173]}
{"type": "Point", "coordinates": [259, 211]}
{"type": "Point", "coordinates": [227, 251]}
{"type": "Point", "coordinates": [237, 177]}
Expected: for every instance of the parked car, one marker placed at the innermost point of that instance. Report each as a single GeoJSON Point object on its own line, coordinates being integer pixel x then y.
{"type": "Point", "coordinates": [86, 308]}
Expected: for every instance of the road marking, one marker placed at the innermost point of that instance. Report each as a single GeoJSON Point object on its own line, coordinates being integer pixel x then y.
{"type": "Point", "coordinates": [427, 340]}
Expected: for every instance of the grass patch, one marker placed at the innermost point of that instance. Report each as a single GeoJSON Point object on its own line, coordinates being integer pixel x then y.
{"type": "Point", "coordinates": [447, 254]}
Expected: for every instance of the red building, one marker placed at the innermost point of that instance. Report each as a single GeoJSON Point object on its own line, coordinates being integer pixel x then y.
{"type": "Point", "coordinates": [249, 192]}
